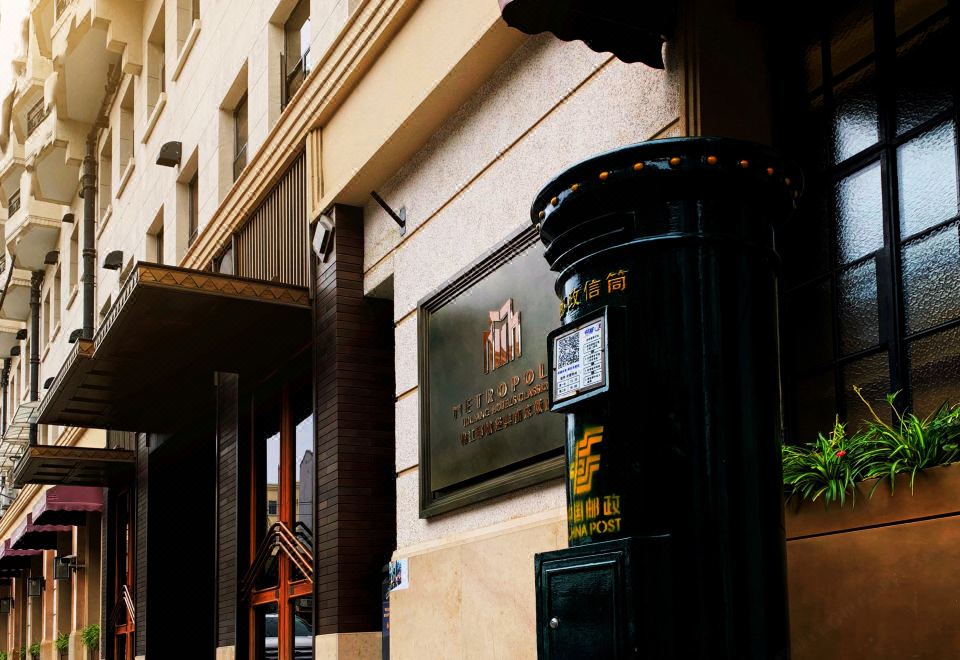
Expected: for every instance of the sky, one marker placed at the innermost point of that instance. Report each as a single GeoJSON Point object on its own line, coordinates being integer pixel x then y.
{"type": "Point", "coordinates": [12, 13]}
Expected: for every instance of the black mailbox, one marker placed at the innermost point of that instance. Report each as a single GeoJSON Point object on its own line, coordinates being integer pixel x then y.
{"type": "Point", "coordinates": [667, 365]}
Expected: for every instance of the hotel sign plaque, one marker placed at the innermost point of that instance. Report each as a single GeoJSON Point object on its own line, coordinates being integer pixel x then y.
{"type": "Point", "coordinates": [485, 421]}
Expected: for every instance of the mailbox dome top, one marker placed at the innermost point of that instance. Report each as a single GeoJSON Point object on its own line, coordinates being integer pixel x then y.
{"type": "Point", "coordinates": [588, 202]}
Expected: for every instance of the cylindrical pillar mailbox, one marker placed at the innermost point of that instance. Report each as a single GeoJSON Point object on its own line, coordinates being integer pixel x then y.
{"type": "Point", "coordinates": [667, 367]}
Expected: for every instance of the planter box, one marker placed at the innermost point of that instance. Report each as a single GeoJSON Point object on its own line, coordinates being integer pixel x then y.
{"type": "Point", "coordinates": [878, 579]}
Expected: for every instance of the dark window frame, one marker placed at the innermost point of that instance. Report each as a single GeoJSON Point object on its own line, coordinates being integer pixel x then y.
{"type": "Point", "coordinates": [894, 338]}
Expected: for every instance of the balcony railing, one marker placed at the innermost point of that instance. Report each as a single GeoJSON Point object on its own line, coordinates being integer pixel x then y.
{"type": "Point", "coordinates": [3, 262]}
{"type": "Point", "coordinates": [60, 7]}
{"type": "Point", "coordinates": [35, 116]}
{"type": "Point", "coordinates": [13, 204]}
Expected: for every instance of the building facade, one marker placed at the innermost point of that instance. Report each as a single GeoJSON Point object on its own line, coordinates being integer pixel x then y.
{"type": "Point", "coordinates": [243, 397]}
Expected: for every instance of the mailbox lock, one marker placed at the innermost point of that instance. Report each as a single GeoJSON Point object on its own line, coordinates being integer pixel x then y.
{"type": "Point", "coordinates": [554, 623]}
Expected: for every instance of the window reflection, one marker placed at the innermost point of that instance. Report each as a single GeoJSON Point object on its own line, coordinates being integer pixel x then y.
{"type": "Point", "coordinates": [302, 614]}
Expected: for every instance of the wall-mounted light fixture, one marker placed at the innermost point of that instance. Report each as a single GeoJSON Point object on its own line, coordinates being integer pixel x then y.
{"type": "Point", "coordinates": [65, 566]}
{"type": "Point", "coordinates": [15, 351]}
{"type": "Point", "coordinates": [35, 586]}
{"type": "Point", "coordinates": [6, 605]}
{"type": "Point", "coordinates": [113, 260]}
{"type": "Point", "coordinates": [323, 237]}
{"type": "Point", "coordinates": [169, 155]}
{"type": "Point", "coordinates": [51, 258]}
{"type": "Point", "coordinates": [69, 218]}
{"type": "Point", "coordinates": [48, 382]}
{"type": "Point", "coordinates": [75, 335]}
{"type": "Point", "coordinates": [21, 334]}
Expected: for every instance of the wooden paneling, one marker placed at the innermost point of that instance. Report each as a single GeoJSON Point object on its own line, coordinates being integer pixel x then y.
{"type": "Point", "coordinates": [355, 482]}
{"type": "Point", "coordinates": [272, 246]}
{"type": "Point", "coordinates": [228, 546]}
{"type": "Point", "coordinates": [140, 530]}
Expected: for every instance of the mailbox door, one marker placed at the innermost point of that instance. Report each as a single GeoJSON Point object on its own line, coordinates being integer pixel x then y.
{"type": "Point", "coordinates": [583, 605]}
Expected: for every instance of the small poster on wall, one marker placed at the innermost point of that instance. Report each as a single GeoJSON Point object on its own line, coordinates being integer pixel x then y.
{"type": "Point", "coordinates": [399, 575]}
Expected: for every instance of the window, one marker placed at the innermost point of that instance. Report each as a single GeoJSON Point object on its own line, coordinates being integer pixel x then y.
{"type": "Point", "coordinates": [47, 333]}
{"type": "Point", "coordinates": [156, 63]}
{"type": "Point", "coordinates": [872, 266]}
{"type": "Point", "coordinates": [296, 50]}
{"type": "Point", "coordinates": [278, 591]}
{"type": "Point", "coordinates": [56, 300]}
{"type": "Point", "coordinates": [105, 180]}
{"type": "Point", "coordinates": [126, 134]}
{"type": "Point", "coordinates": [240, 137]}
{"type": "Point", "coordinates": [158, 246]}
{"type": "Point", "coordinates": [13, 203]}
{"type": "Point", "coordinates": [74, 264]}
{"type": "Point", "coordinates": [193, 209]}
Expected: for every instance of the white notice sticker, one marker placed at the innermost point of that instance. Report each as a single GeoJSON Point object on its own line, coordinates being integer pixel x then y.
{"type": "Point", "coordinates": [578, 360]}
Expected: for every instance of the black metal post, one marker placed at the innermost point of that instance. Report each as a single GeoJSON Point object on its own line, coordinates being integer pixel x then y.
{"type": "Point", "coordinates": [4, 383]}
{"type": "Point", "coordinates": [36, 281]}
{"type": "Point", "coordinates": [673, 435]}
{"type": "Point", "coordinates": [89, 189]}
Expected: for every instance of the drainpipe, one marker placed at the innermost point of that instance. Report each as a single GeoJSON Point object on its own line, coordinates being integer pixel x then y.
{"type": "Point", "coordinates": [89, 190]}
{"type": "Point", "coordinates": [4, 382]}
{"type": "Point", "coordinates": [36, 280]}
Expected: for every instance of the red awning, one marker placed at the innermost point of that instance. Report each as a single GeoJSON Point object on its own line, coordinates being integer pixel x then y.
{"type": "Point", "coordinates": [30, 536]}
{"type": "Point", "coordinates": [12, 558]}
{"type": "Point", "coordinates": [67, 505]}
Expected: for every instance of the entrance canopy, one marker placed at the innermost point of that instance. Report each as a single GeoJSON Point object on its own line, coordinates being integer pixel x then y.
{"type": "Point", "coordinates": [67, 505]}
{"type": "Point", "coordinates": [10, 558]}
{"type": "Point", "coordinates": [153, 358]}
{"type": "Point", "coordinates": [31, 536]}
{"type": "Point", "coordinates": [76, 466]}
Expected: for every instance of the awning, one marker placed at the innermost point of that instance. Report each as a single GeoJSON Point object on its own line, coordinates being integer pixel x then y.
{"type": "Point", "coordinates": [18, 430]}
{"type": "Point", "coordinates": [632, 30]}
{"type": "Point", "coordinates": [11, 558]}
{"type": "Point", "coordinates": [74, 466]}
{"type": "Point", "coordinates": [67, 505]}
{"type": "Point", "coordinates": [30, 536]}
{"type": "Point", "coordinates": [153, 358]}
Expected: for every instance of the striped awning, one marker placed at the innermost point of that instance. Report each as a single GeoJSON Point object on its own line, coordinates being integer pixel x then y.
{"type": "Point", "coordinates": [30, 536]}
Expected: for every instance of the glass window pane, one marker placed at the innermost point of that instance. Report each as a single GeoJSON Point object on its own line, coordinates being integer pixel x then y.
{"type": "Point", "coordinates": [854, 124]}
{"type": "Point", "coordinates": [931, 279]}
{"type": "Point", "coordinates": [922, 90]}
{"type": "Point", "coordinates": [808, 326]}
{"type": "Point", "coordinates": [935, 370]}
{"type": "Point", "coordinates": [272, 475]}
{"type": "Point", "coordinates": [857, 308]}
{"type": "Point", "coordinates": [816, 406]}
{"type": "Point", "coordinates": [302, 614]}
{"type": "Point", "coordinates": [872, 375]}
{"type": "Point", "coordinates": [909, 13]}
{"type": "Point", "coordinates": [858, 208]}
{"type": "Point", "coordinates": [927, 167]}
{"type": "Point", "coordinates": [265, 631]}
{"type": "Point", "coordinates": [851, 35]}
{"type": "Point", "coordinates": [304, 470]}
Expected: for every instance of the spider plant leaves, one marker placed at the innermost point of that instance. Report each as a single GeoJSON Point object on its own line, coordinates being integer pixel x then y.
{"type": "Point", "coordinates": [831, 466]}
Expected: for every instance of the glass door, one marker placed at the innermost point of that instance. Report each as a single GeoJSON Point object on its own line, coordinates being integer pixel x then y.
{"type": "Point", "coordinates": [280, 580]}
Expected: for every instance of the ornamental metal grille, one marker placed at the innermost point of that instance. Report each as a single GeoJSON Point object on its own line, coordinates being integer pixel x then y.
{"type": "Point", "coordinates": [13, 203]}
{"type": "Point", "coordinates": [35, 116]}
{"type": "Point", "coordinates": [871, 288]}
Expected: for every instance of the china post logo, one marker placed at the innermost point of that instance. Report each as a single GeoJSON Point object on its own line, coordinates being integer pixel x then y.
{"type": "Point", "coordinates": [501, 340]}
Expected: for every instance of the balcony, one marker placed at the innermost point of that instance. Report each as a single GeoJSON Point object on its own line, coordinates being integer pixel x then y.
{"type": "Point", "coordinates": [32, 229]}
{"type": "Point", "coordinates": [15, 299]}
{"type": "Point", "coordinates": [12, 164]}
{"type": "Point", "coordinates": [29, 107]}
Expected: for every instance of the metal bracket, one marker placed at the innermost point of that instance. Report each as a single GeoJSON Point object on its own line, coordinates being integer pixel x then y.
{"type": "Point", "coordinates": [399, 218]}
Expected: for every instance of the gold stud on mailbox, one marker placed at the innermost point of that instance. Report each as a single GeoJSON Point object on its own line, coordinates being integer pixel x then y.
{"type": "Point", "coordinates": [744, 164]}
{"type": "Point", "coordinates": [711, 160]}
{"type": "Point", "coordinates": [638, 166]}
{"type": "Point", "coordinates": [604, 176]}
{"type": "Point", "coordinates": [675, 161]}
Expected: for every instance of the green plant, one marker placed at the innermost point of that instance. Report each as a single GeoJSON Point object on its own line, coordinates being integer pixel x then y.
{"type": "Point", "coordinates": [22, 652]}
{"type": "Point", "coordinates": [3, 655]}
{"type": "Point", "coordinates": [62, 643]}
{"type": "Point", "coordinates": [90, 636]}
{"type": "Point", "coordinates": [910, 444]}
{"type": "Point", "coordinates": [827, 467]}
{"type": "Point", "coordinates": [34, 650]}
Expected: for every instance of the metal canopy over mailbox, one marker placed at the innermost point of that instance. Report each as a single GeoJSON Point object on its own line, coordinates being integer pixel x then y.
{"type": "Point", "coordinates": [31, 536]}
{"type": "Point", "coordinates": [67, 505]}
{"type": "Point", "coordinates": [633, 30]}
{"type": "Point", "coordinates": [156, 352]}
